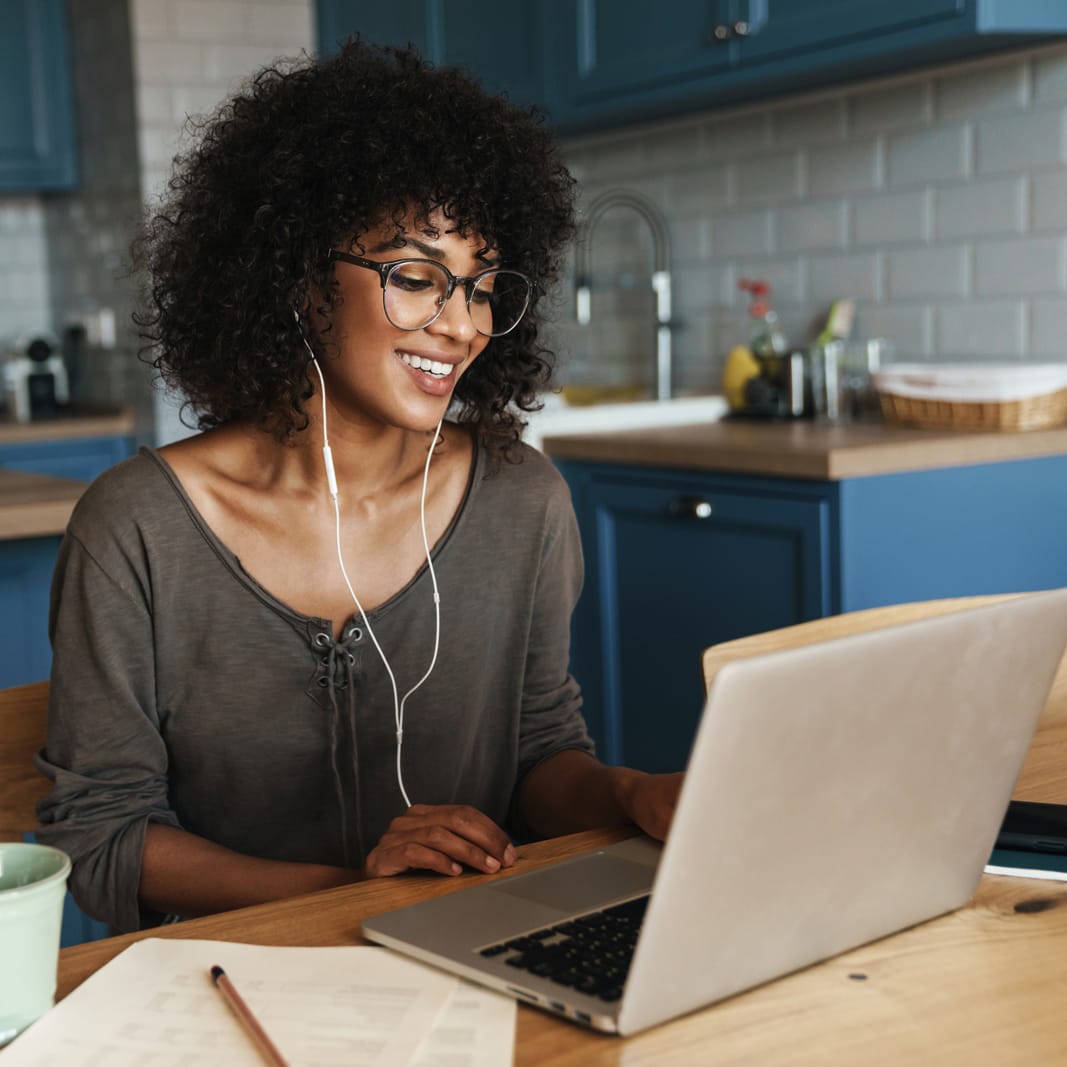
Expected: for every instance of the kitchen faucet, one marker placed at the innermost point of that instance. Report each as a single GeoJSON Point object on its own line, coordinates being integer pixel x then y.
{"type": "Point", "coordinates": [661, 275]}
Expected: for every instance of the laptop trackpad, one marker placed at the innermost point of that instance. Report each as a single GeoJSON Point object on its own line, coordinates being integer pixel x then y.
{"type": "Point", "coordinates": [587, 883]}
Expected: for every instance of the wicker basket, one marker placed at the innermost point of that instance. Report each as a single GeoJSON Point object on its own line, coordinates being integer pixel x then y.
{"type": "Point", "coordinates": [960, 397]}
{"type": "Point", "coordinates": [1033, 413]}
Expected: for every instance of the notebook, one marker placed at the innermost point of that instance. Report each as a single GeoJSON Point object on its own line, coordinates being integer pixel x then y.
{"type": "Point", "coordinates": [835, 793]}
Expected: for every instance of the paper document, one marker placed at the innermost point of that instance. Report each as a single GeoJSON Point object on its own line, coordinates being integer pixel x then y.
{"type": "Point", "coordinates": [351, 1007]}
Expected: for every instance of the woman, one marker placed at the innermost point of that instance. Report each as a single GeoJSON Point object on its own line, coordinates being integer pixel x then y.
{"type": "Point", "coordinates": [327, 638]}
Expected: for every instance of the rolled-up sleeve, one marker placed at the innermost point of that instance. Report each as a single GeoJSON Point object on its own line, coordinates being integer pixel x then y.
{"type": "Point", "coordinates": [104, 751]}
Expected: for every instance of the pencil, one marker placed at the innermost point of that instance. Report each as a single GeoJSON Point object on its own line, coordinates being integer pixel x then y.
{"type": "Point", "coordinates": [236, 1004]}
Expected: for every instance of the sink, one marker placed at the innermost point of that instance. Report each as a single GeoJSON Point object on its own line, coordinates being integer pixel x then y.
{"type": "Point", "coordinates": [558, 418]}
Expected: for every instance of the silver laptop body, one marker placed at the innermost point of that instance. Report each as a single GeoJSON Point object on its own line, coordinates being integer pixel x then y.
{"type": "Point", "coordinates": [835, 793]}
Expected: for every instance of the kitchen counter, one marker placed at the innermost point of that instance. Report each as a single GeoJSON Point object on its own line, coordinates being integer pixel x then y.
{"type": "Point", "coordinates": [117, 422]}
{"type": "Point", "coordinates": [803, 449]}
{"type": "Point", "coordinates": [35, 505]}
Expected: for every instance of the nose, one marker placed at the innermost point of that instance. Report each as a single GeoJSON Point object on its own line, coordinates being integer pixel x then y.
{"type": "Point", "coordinates": [455, 320]}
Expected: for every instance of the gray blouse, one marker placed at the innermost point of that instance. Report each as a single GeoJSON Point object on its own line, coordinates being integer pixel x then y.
{"type": "Point", "coordinates": [184, 693]}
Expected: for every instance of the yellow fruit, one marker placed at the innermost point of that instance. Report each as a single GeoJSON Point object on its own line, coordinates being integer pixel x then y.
{"type": "Point", "coordinates": [741, 365]}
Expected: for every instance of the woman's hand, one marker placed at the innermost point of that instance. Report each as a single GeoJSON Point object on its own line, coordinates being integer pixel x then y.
{"type": "Point", "coordinates": [443, 838]}
{"type": "Point", "coordinates": [649, 800]}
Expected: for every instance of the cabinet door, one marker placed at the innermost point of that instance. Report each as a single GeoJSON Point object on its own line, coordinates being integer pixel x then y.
{"type": "Point", "coordinates": [25, 577]}
{"type": "Point", "coordinates": [611, 48]}
{"type": "Point", "coordinates": [36, 113]}
{"type": "Point", "coordinates": [501, 44]}
{"type": "Point", "coordinates": [793, 26]}
{"type": "Point", "coordinates": [675, 564]}
{"type": "Point", "coordinates": [80, 459]}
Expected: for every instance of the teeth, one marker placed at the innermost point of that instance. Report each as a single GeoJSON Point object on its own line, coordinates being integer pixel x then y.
{"type": "Point", "coordinates": [430, 366]}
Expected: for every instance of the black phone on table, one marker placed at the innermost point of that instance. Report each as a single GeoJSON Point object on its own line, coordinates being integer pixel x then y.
{"type": "Point", "coordinates": [1033, 827]}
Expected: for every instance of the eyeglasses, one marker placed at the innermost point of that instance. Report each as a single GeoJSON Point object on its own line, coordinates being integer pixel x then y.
{"type": "Point", "coordinates": [415, 292]}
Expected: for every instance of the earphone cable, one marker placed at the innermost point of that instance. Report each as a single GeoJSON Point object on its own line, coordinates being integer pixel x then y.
{"type": "Point", "coordinates": [331, 478]}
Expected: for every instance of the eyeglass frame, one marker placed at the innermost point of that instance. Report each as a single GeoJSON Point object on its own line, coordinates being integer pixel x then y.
{"type": "Point", "coordinates": [385, 269]}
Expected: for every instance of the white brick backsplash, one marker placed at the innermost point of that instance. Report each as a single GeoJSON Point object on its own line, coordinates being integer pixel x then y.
{"type": "Point", "coordinates": [1017, 142]}
{"type": "Point", "coordinates": [907, 104]}
{"type": "Point", "coordinates": [858, 276]}
{"type": "Point", "coordinates": [697, 192]}
{"type": "Point", "coordinates": [926, 273]}
{"type": "Point", "coordinates": [814, 226]}
{"type": "Point", "coordinates": [206, 20]}
{"type": "Point", "coordinates": [804, 124]}
{"type": "Point", "coordinates": [742, 233]}
{"type": "Point", "coordinates": [786, 277]}
{"type": "Point", "coordinates": [689, 240]}
{"type": "Point", "coordinates": [169, 63]}
{"type": "Point", "coordinates": [891, 218]}
{"type": "Point", "coordinates": [984, 90]}
{"type": "Point", "coordinates": [705, 286]}
{"type": "Point", "coordinates": [155, 103]}
{"type": "Point", "coordinates": [1048, 329]}
{"type": "Point", "coordinates": [1020, 267]}
{"type": "Point", "coordinates": [674, 148]}
{"type": "Point", "coordinates": [767, 179]}
{"type": "Point", "coordinates": [738, 135]}
{"type": "Point", "coordinates": [996, 329]}
{"type": "Point", "coordinates": [907, 327]}
{"type": "Point", "coordinates": [1049, 201]}
{"type": "Point", "coordinates": [232, 64]}
{"type": "Point", "coordinates": [606, 162]}
{"type": "Point", "coordinates": [194, 101]}
{"type": "Point", "coordinates": [980, 208]}
{"type": "Point", "coordinates": [938, 154]}
{"type": "Point", "coordinates": [1050, 76]}
{"type": "Point", "coordinates": [844, 168]}
{"type": "Point", "coordinates": [152, 18]}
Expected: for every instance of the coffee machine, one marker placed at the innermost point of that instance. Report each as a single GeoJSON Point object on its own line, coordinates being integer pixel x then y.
{"type": "Point", "coordinates": [35, 379]}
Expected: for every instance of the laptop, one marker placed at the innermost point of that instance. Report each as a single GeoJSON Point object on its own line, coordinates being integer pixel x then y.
{"type": "Point", "coordinates": [835, 793]}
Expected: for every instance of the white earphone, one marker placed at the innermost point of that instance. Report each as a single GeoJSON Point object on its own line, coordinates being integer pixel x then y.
{"type": "Point", "coordinates": [331, 481]}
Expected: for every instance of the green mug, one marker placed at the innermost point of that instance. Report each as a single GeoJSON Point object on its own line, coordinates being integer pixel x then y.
{"type": "Point", "coordinates": [33, 882]}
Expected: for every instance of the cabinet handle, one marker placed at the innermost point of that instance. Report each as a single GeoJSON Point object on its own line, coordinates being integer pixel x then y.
{"type": "Point", "coordinates": [692, 507]}
{"type": "Point", "coordinates": [721, 32]}
{"type": "Point", "coordinates": [741, 28]}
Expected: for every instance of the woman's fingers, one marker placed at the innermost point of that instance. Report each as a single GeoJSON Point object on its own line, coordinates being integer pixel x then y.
{"type": "Point", "coordinates": [442, 838]}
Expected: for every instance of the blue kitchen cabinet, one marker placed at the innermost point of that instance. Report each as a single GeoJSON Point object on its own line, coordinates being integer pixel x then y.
{"type": "Point", "coordinates": [79, 459]}
{"type": "Point", "coordinates": [501, 44]}
{"type": "Point", "coordinates": [676, 562]}
{"type": "Point", "coordinates": [26, 564]}
{"type": "Point", "coordinates": [25, 578]}
{"type": "Point", "coordinates": [37, 141]}
{"type": "Point", "coordinates": [680, 560]}
{"type": "Point", "coordinates": [615, 61]}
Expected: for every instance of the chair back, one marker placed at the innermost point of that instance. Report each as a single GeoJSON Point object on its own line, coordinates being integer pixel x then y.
{"type": "Point", "coordinates": [23, 722]}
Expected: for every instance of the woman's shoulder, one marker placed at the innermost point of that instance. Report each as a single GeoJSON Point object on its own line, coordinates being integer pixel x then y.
{"type": "Point", "coordinates": [136, 490]}
{"type": "Point", "coordinates": [527, 471]}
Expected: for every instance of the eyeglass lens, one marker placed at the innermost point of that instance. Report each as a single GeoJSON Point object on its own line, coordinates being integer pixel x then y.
{"type": "Point", "coordinates": [415, 292]}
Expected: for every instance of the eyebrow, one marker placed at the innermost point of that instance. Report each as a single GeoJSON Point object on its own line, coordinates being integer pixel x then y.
{"type": "Point", "coordinates": [428, 250]}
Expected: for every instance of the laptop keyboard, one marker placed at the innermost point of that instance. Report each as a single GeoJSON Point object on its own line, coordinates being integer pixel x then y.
{"type": "Point", "coordinates": [590, 954]}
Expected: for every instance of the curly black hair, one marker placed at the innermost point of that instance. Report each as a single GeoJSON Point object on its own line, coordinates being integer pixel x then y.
{"type": "Point", "coordinates": [308, 156]}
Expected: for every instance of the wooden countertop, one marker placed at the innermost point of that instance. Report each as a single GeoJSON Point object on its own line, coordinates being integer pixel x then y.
{"type": "Point", "coordinates": [804, 449]}
{"type": "Point", "coordinates": [35, 505]}
{"type": "Point", "coordinates": [87, 423]}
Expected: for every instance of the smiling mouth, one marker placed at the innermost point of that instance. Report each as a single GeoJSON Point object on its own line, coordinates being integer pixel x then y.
{"type": "Point", "coordinates": [431, 367]}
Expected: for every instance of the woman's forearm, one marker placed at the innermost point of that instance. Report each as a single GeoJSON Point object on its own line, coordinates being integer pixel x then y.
{"type": "Point", "coordinates": [182, 874]}
{"type": "Point", "coordinates": [572, 791]}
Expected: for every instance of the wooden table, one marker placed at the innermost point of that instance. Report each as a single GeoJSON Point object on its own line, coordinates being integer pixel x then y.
{"type": "Point", "coordinates": [984, 985]}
